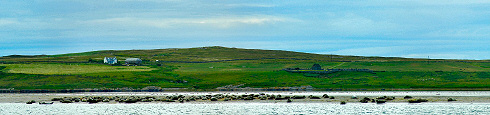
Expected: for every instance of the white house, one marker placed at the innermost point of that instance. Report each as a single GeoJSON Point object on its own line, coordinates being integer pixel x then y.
{"type": "Point", "coordinates": [109, 60]}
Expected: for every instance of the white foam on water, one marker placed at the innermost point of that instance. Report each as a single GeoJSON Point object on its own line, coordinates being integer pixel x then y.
{"type": "Point", "coordinates": [247, 108]}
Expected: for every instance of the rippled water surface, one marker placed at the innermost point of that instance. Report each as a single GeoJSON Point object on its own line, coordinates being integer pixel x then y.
{"type": "Point", "coordinates": [248, 108]}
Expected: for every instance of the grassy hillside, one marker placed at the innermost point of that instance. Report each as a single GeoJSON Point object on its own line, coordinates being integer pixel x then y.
{"type": "Point", "coordinates": [78, 68]}
{"type": "Point", "coordinates": [212, 67]}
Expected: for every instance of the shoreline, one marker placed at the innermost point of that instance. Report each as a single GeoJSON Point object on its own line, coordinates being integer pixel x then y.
{"type": "Point", "coordinates": [288, 89]}
{"type": "Point", "coordinates": [259, 97]}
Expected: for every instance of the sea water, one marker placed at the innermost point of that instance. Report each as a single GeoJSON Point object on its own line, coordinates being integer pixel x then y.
{"type": "Point", "coordinates": [253, 107]}
{"type": "Point", "coordinates": [246, 108]}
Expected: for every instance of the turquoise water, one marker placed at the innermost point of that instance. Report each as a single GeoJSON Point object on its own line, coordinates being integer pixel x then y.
{"type": "Point", "coordinates": [247, 108]}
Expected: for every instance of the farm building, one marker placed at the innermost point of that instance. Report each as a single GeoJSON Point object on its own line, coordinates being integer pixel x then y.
{"type": "Point", "coordinates": [316, 67]}
{"type": "Point", "coordinates": [109, 60]}
{"type": "Point", "coordinates": [135, 61]}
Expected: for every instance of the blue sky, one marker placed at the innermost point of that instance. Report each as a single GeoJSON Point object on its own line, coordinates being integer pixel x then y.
{"type": "Point", "coordinates": [401, 28]}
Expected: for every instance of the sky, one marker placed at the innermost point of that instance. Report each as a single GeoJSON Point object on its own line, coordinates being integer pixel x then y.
{"type": "Point", "coordinates": [443, 29]}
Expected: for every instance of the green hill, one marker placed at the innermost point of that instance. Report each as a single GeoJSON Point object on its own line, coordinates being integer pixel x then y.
{"type": "Point", "coordinates": [212, 67]}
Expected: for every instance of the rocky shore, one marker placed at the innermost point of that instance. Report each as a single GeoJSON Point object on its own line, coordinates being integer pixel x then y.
{"type": "Point", "coordinates": [230, 98]}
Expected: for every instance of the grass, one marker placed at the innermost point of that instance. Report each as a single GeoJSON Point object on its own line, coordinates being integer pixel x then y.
{"type": "Point", "coordinates": [112, 79]}
{"type": "Point", "coordinates": [449, 66]}
{"type": "Point", "coordinates": [212, 67]}
{"type": "Point", "coordinates": [76, 68]}
{"type": "Point", "coordinates": [243, 66]}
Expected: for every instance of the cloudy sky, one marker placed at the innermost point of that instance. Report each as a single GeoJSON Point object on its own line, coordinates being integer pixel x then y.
{"type": "Point", "coordinates": [436, 28]}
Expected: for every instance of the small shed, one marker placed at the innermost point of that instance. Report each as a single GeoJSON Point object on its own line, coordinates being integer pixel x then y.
{"type": "Point", "coordinates": [135, 61]}
{"type": "Point", "coordinates": [316, 67]}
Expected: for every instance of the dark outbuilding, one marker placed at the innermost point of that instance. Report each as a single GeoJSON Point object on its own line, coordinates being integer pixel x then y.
{"type": "Point", "coordinates": [316, 67]}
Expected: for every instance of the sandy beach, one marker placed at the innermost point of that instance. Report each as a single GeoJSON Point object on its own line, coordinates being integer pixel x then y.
{"type": "Point", "coordinates": [338, 97]}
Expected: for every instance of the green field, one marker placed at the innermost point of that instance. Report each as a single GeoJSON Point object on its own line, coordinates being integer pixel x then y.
{"type": "Point", "coordinates": [53, 68]}
{"type": "Point", "coordinates": [212, 67]}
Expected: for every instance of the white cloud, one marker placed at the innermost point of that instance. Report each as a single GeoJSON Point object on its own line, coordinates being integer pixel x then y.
{"type": "Point", "coordinates": [454, 2]}
{"type": "Point", "coordinates": [220, 22]}
{"type": "Point", "coordinates": [438, 56]}
{"type": "Point", "coordinates": [251, 5]}
{"type": "Point", "coordinates": [394, 28]}
{"type": "Point", "coordinates": [352, 24]}
{"type": "Point", "coordinates": [8, 22]}
{"type": "Point", "coordinates": [452, 55]}
{"type": "Point", "coordinates": [371, 51]}
{"type": "Point", "coordinates": [125, 21]}
{"type": "Point", "coordinates": [463, 33]}
{"type": "Point", "coordinates": [147, 0]}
